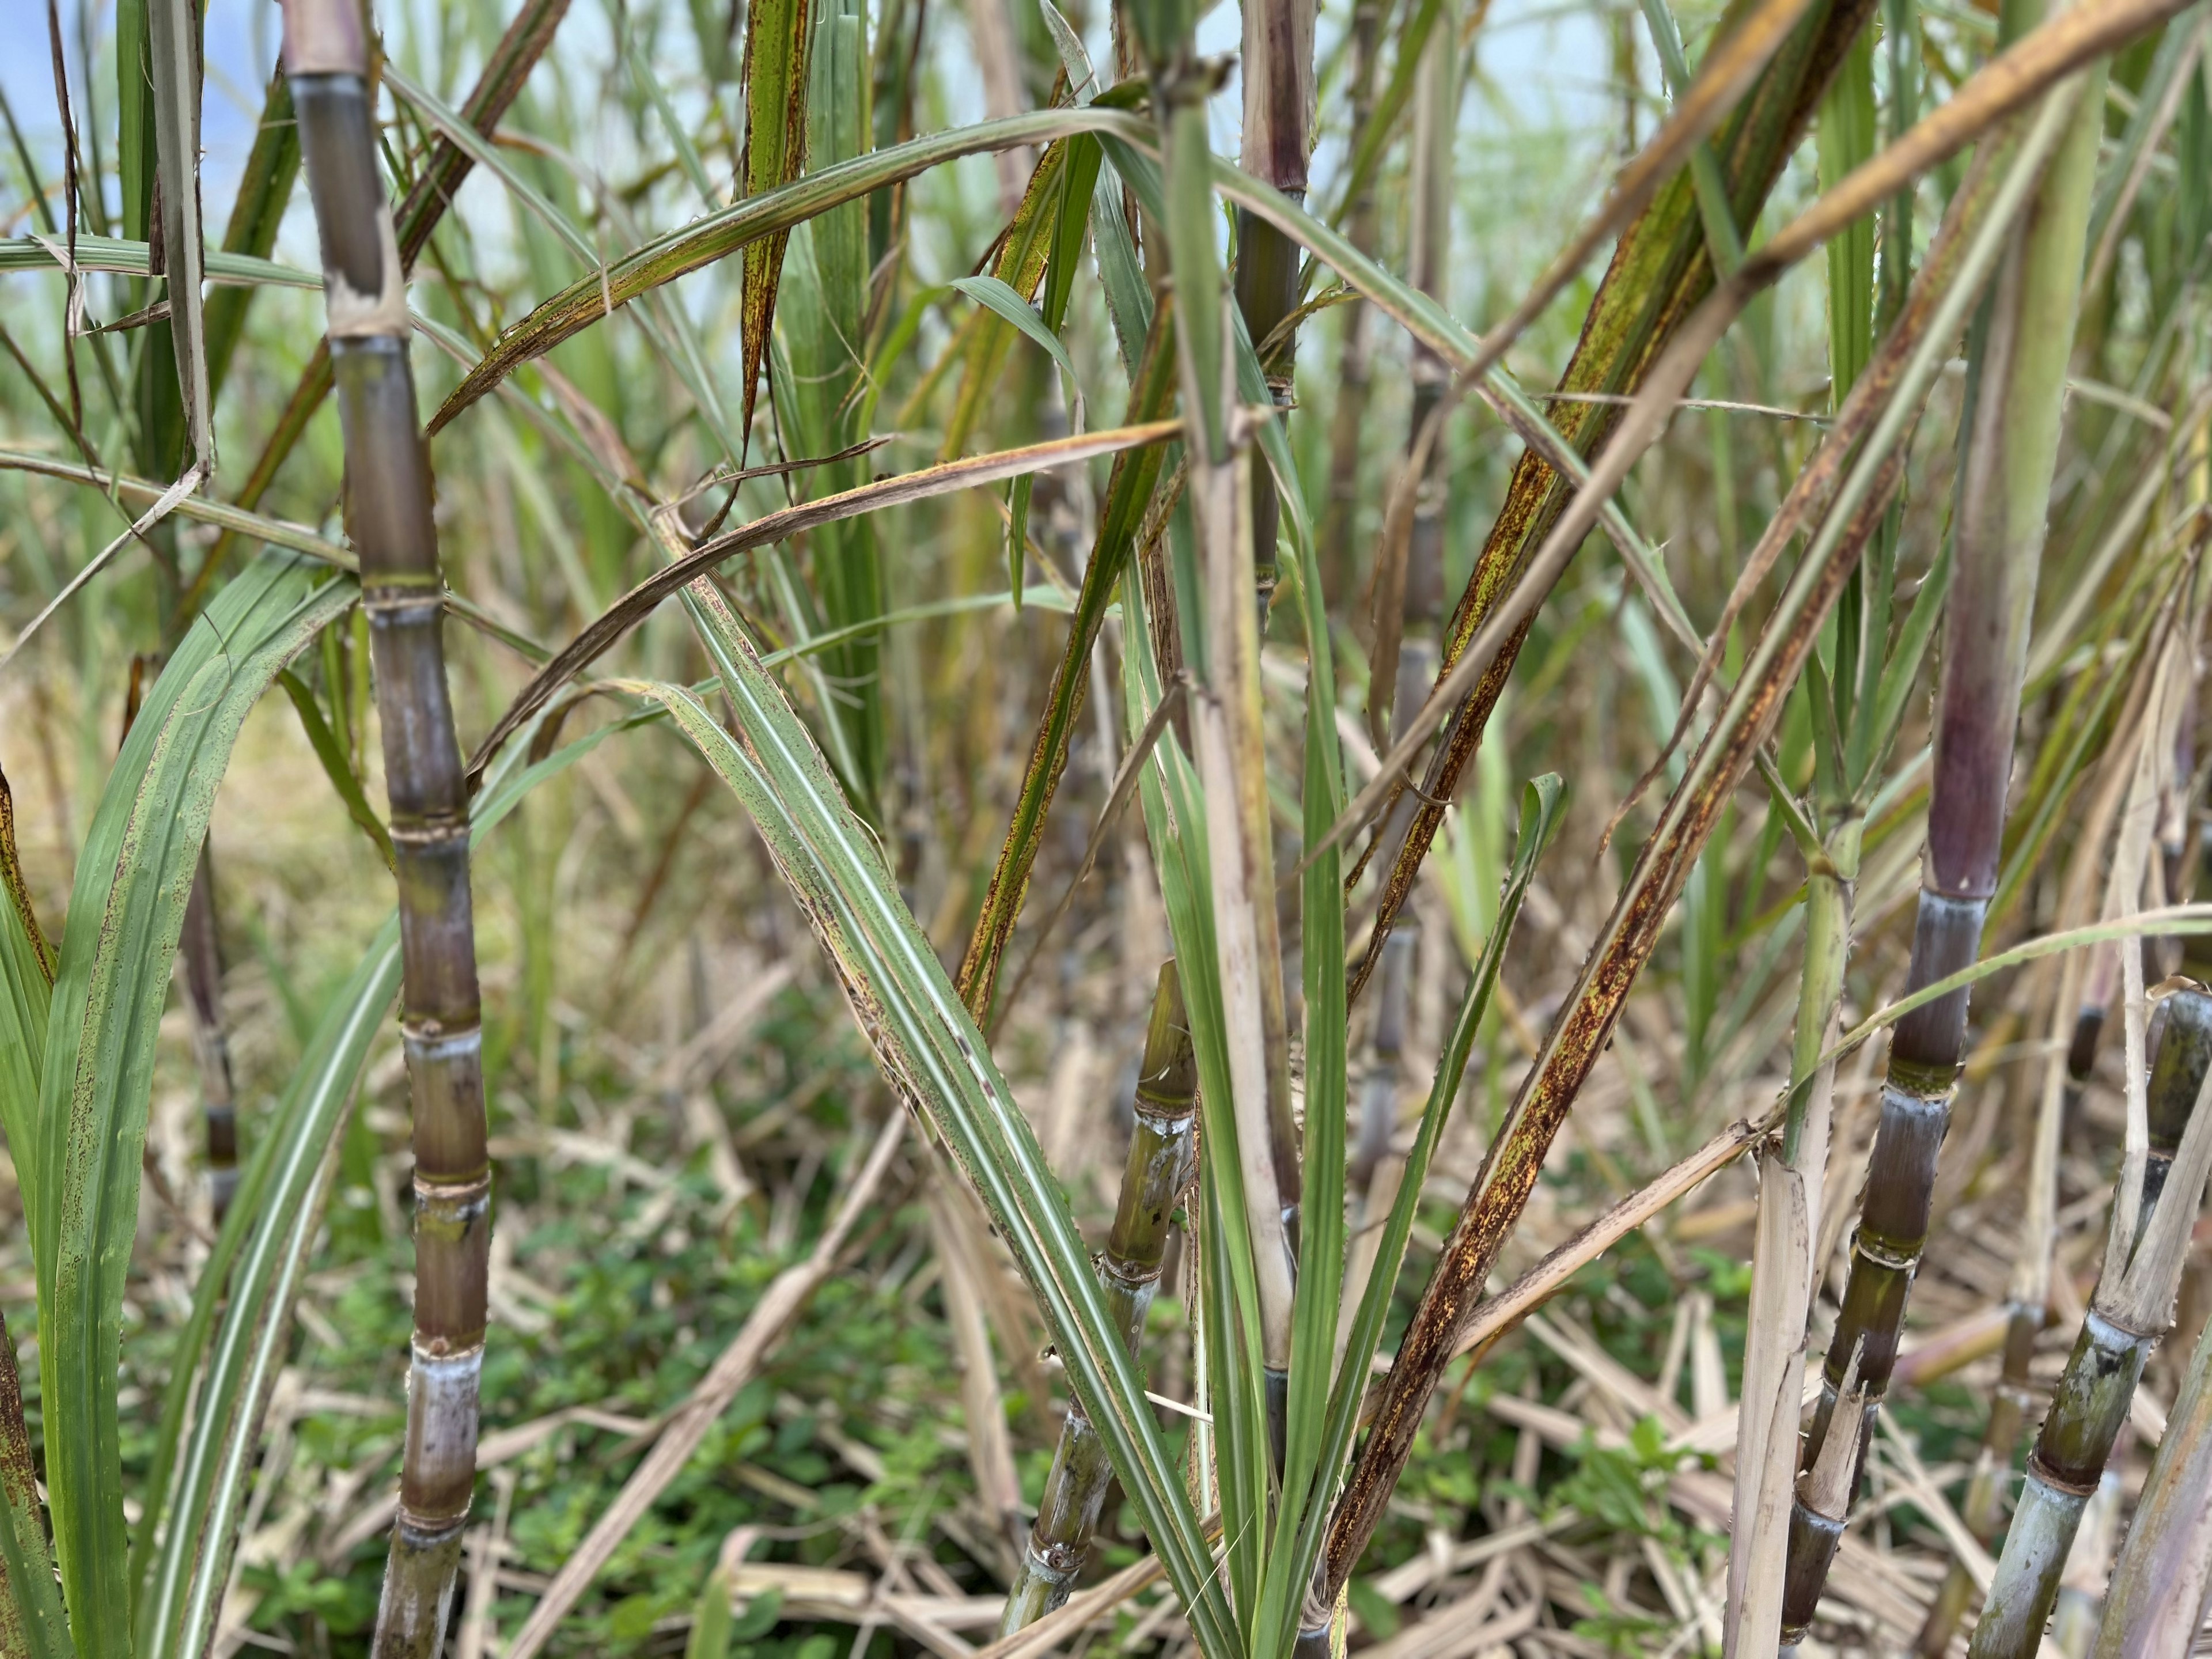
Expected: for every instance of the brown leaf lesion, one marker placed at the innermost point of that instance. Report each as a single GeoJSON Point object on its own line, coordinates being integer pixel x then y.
{"type": "Point", "coordinates": [19, 892]}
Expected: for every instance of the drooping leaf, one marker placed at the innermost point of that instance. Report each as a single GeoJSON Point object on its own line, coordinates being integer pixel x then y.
{"type": "Point", "coordinates": [939, 1062]}
{"type": "Point", "coordinates": [742, 225]}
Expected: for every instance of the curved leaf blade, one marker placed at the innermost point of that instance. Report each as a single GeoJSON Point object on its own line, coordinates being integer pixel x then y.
{"type": "Point", "coordinates": [128, 901]}
{"type": "Point", "coordinates": [939, 1062]}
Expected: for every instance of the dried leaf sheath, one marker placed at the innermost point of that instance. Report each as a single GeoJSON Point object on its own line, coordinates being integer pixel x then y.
{"type": "Point", "coordinates": [389, 517]}
{"type": "Point", "coordinates": [1158, 1166]}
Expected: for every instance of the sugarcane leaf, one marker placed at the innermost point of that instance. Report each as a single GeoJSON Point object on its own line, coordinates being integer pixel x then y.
{"type": "Point", "coordinates": [265, 189]}
{"type": "Point", "coordinates": [173, 38]}
{"type": "Point", "coordinates": [1129, 301]}
{"type": "Point", "coordinates": [687, 152]}
{"type": "Point", "coordinates": [821, 339]}
{"type": "Point", "coordinates": [31, 1621]}
{"type": "Point", "coordinates": [454, 128]}
{"type": "Point", "coordinates": [252, 1276]}
{"type": "Point", "coordinates": [1128, 493]}
{"type": "Point", "coordinates": [997, 297]}
{"type": "Point", "coordinates": [1175, 825]}
{"type": "Point", "coordinates": [939, 1062]}
{"type": "Point", "coordinates": [1019, 262]}
{"type": "Point", "coordinates": [1321, 1232]}
{"type": "Point", "coordinates": [1543, 802]}
{"type": "Point", "coordinates": [204, 509]}
{"type": "Point", "coordinates": [779, 34]}
{"type": "Point", "coordinates": [1074, 57]}
{"type": "Point", "coordinates": [26, 978]}
{"type": "Point", "coordinates": [336, 767]}
{"type": "Point", "coordinates": [132, 257]}
{"type": "Point", "coordinates": [929, 482]}
{"type": "Point", "coordinates": [1900, 673]}
{"type": "Point", "coordinates": [756, 220]}
{"type": "Point", "coordinates": [1723, 242]}
{"type": "Point", "coordinates": [128, 901]}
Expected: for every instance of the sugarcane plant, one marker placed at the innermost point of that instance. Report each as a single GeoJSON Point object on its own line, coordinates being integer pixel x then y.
{"type": "Point", "coordinates": [2008, 454]}
{"type": "Point", "coordinates": [1204, 578]}
{"type": "Point", "coordinates": [388, 492]}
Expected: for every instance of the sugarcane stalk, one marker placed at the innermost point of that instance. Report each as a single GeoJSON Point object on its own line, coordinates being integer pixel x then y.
{"type": "Point", "coordinates": [2088, 1565]}
{"type": "Point", "coordinates": [2154, 1602]}
{"type": "Point", "coordinates": [1154, 1173]}
{"type": "Point", "coordinates": [2064, 1473]}
{"type": "Point", "coordinates": [1278, 101]}
{"type": "Point", "coordinates": [1783, 1263]}
{"type": "Point", "coordinates": [388, 501]}
{"type": "Point", "coordinates": [2009, 441]}
{"type": "Point", "coordinates": [1842, 509]}
{"type": "Point", "coordinates": [504, 70]}
{"type": "Point", "coordinates": [1347, 421]}
{"type": "Point", "coordinates": [1408, 581]}
{"type": "Point", "coordinates": [2132, 1311]}
{"type": "Point", "coordinates": [2084, 990]}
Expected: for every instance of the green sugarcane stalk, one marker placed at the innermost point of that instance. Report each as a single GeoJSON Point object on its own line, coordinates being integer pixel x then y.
{"type": "Point", "coordinates": [2088, 989]}
{"type": "Point", "coordinates": [2009, 454]}
{"type": "Point", "coordinates": [1157, 1169]}
{"type": "Point", "coordinates": [2088, 1565]}
{"type": "Point", "coordinates": [388, 499]}
{"type": "Point", "coordinates": [2132, 1311]}
{"type": "Point", "coordinates": [2155, 1601]}
{"type": "Point", "coordinates": [1983, 1509]}
{"type": "Point", "coordinates": [2184, 1057]}
{"type": "Point", "coordinates": [2064, 1473]}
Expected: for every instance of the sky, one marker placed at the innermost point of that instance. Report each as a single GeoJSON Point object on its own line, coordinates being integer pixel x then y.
{"type": "Point", "coordinates": [1547, 67]}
